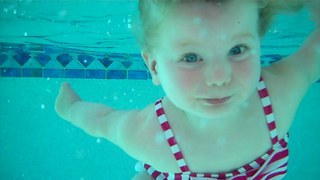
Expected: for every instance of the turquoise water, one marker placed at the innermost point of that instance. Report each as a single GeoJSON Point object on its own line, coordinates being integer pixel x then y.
{"type": "Point", "coordinates": [36, 144]}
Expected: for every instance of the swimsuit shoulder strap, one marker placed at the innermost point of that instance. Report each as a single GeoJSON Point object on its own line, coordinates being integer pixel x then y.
{"type": "Point", "coordinates": [268, 111]}
{"type": "Point", "coordinates": [166, 128]}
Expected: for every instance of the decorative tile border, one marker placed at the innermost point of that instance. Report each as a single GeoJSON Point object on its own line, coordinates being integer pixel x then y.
{"type": "Point", "coordinates": [52, 62]}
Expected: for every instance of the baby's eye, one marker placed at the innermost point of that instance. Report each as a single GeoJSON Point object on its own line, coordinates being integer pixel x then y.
{"type": "Point", "coordinates": [191, 58]}
{"type": "Point", "coordinates": [237, 50]}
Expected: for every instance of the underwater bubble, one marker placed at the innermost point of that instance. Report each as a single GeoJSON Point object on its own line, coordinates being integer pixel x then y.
{"type": "Point", "coordinates": [139, 167]}
{"type": "Point", "coordinates": [124, 93]}
{"type": "Point", "coordinates": [108, 33]}
{"type": "Point", "coordinates": [115, 97]}
{"type": "Point", "coordinates": [43, 106]}
{"type": "Point", "coordinates": [203, 33]}
{"type": "Point", "coordinates": [132, 90]}
{"type": "Point", "coordinates": [274, 31]}
{"type": "Point", "coordinates": [223, 36]}
{"type": "Point", "coordinates": [221, 141]}
{"type": "Point", "coordinates": [14, 11]}
{"type": "Point", "coordinates": [109, 21]}
{"type": "Point", "coordinates": [196, 20]}
{"type": "Point", "coordinates": [5, 10]}
{"type": "Point", "coordinates": [98, 140]}
{"type": "Point", "coordinates": [130, 100]}
{"type": "Point", "coordinates": [203, 123]}
{"type": "Point", "coordinates": [63, 13]}
{"type": "Point", "coordinates": [9, 101]}
{"type": "Point", "coordinates": [25, 34]}
{"type": "Point", "coordinates": [48, 79]}
{"type": "Point", "coordinates": [49, 91]}
{"type": "Point", "coordinates": [245, 104]}
{"type": "Point", "coordinates": [159, 138]}
{"type": "Point", "coordinates": [129, 26]}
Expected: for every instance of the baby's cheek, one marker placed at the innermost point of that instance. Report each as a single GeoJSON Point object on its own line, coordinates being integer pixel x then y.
{"type": "Point", "coordinates": [188, 80]}
{"type": "Point", "coordinates": [248, 69]}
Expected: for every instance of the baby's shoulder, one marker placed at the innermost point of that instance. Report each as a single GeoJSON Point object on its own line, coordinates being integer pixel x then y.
{"type": "Point", "coordinates": [286, 90]}
{"type": "Point", "coordinates": [142, 136]}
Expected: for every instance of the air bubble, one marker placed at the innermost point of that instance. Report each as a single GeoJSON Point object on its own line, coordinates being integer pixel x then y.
{"type": "Point", "coordinates": [49, 91]}
{"type": "Point", "coordinates": [62, 13]}
{"type": "Point", "coordinates": [98, 140]}
{"type": "Point", "coordinates": [159, 138]}
{"type": "Point", "coordinates": [5, 10]}
{"type": "Point", "coordinates": [25, 34]}
{"type": "Point", "coordinates": [221, 141]}
{"type": "Point", "coordinates": [43, 106]}
{"type": "Point", "coordinates": [14, 11]}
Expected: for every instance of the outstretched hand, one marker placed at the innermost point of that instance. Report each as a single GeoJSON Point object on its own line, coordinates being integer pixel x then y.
{"type": "Point", "coordinates": [67, 96]}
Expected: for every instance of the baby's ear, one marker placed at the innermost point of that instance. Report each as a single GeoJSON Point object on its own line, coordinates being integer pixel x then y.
{"type": "Point", "coordinates": [151, 64]}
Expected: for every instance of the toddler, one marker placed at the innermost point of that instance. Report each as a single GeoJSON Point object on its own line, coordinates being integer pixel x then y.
{"type": "Point", "coordinates": [223, 116]}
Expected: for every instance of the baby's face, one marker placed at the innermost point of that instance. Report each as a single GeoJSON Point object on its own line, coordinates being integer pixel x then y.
{"type": "Point", "coordinates": [208, 51]}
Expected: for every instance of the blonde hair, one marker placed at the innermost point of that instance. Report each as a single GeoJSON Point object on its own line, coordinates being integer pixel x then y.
{"type": "Point", "coordinates": [154, 12]}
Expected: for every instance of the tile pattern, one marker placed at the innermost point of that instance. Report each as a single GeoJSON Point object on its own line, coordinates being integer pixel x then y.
{"type": "Point", "coordinates": [17, 60]}
{"type": "Point", "coordinates": [48, 63]}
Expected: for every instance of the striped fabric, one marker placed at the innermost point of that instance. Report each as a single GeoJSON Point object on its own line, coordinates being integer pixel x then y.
{"type": "Point", "coordinates": [271, 165]}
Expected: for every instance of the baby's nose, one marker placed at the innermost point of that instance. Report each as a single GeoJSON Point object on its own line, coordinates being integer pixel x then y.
{"type": "Point", "coordinates": [218, 74]}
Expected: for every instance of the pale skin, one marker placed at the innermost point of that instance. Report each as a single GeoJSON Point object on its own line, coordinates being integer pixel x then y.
{"type": "Point", "coordinates": [224, 61]}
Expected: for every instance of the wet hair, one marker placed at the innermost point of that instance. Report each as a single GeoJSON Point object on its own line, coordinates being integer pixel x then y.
{"type": "Point", "coordinates": [153, 12]}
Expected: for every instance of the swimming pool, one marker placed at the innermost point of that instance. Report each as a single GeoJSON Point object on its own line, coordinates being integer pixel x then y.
{"type": "Point", "coordinates": [91, 46]}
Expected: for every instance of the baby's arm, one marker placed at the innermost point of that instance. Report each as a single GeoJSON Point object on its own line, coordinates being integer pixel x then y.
{"type": "Point", "coordinates": [304, 65]}
{"type": "Point", "coordinates": [95, 119]}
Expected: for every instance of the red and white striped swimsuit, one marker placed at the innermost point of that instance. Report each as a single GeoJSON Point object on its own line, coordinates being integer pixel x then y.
{"type": "Point", "coordinates": [271, 165]}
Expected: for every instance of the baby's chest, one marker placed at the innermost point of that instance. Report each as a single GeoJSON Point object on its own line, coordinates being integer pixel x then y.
{"type": "Point", "coordinates": [216, 154]}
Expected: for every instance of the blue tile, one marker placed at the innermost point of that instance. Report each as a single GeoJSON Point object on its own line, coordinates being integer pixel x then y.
{"type": "Point", "coordinates": [96, 74]}
{"type": "Point", "coordinates": [85, 60]}
{"type": "Point", "coordinates": [32, 72]}
{"type": "Point", "coordinates": [126, 64]}
{"type": "Point", "coordinates": [53, 73]}
{"type": "Point", "coordinates": [75, 73]}
{"type": "Point", "coordinates": [137, 75]}
{"type": "Point", "coordinates": [11, 72]}
{"type": "Point", "coordinates": [106, 62]}
{"type": "Point", "coordinates": [117, 74]}
{"type": "Point", "coordinates": [64, 59]}
{"type": "Point", "coordinates": [3, 58]}
{"type": "Point", "coordinates": [22, 57]}
{"type": "Point", "coordinates": [43, 59]}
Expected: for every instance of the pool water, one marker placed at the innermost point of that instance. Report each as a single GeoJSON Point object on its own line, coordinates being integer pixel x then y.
{"type": "Point", "coordinates": [92, 47]}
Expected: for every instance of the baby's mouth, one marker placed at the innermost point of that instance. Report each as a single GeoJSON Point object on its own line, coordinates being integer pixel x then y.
{"type": "Point", "coordinates": [217, 101]}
